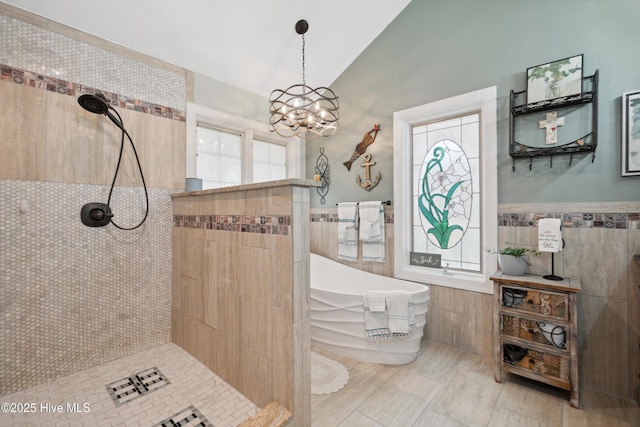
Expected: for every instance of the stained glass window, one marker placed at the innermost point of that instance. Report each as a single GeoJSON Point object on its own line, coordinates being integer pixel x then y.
{"type": "Point", "coordinates": [446, 199]}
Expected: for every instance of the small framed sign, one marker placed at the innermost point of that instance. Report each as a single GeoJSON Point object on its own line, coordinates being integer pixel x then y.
{"type": "Point", "coordinates": [425, 260]}
{"type": "Point", "coordinates": [554, 80]}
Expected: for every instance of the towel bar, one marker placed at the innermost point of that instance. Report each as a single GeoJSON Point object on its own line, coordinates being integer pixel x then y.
{"type": "Point", "coordinates": [388, 203]}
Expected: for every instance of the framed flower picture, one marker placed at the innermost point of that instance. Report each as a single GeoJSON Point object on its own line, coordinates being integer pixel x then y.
{"type": "Point", "coordinates": [631, 133]}
{"type": "Point", "coordinates": [554, 80]}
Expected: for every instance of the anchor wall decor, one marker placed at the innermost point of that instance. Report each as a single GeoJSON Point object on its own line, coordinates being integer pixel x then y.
{"type": "Point", "coordinates": [367, 184]}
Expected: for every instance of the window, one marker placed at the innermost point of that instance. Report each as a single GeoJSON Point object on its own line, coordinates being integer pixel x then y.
{"type": "Point", "coordinates": [446, 203]}
{"type": "Point", "coordinates": [269, 161]}
{"type": "Point", "coordinates": [225, 150]}
{"type": "Point", "coordinates": [219, 159]}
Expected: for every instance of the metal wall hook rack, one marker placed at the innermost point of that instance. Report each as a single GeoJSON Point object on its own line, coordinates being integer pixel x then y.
{"type": "Point", "coordinates": [585, 144]}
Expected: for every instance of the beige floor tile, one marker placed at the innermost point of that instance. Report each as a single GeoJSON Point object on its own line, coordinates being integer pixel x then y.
{"type": "Point", "coordinates": [505, 417]}
{"type": "Point", "coordinates": [537, 405]}
{"type": "Point", "coordinates": [356, 419]}
{"type": "Point", "coordinates": [469, 397]}
{"type": "Point", "coordinates": [460, 390]}
{"type": "Point", "coordinates": [390, 406]}
{"type": "Point", "coordinates": [587, 418]}
{"type": "Point", "coordinates": [430, 418]}
{"type": "Point", "coordinates": [603, 403]}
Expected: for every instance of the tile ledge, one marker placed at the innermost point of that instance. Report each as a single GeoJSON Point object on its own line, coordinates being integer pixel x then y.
{"type": "Point", "coordinates": [293, 182]}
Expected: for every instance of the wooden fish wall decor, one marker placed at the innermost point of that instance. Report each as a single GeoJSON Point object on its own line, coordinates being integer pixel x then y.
{"type": "Point", "coordinates": [367, 140]}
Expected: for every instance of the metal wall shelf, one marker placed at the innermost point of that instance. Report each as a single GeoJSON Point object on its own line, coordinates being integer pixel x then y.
{"type": "Point", "coordinates": [587, 143]}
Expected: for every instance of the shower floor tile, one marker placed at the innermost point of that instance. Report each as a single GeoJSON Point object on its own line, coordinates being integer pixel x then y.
{"type": "Point", "coordinates": [81, 399]}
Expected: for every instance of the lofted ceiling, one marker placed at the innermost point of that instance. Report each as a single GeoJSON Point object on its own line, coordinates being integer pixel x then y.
{"type": "Point", "coordinates": [250, 44]}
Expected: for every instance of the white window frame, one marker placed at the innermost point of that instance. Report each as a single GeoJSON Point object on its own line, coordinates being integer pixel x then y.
{"type": "Point", "coordinates": [484, 101]}
{"type": "Point", "coordinates": [248, 129]}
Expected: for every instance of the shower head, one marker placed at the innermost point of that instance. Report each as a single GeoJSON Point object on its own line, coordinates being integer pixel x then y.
{"type": "Point", "coordinates": [96, 104]}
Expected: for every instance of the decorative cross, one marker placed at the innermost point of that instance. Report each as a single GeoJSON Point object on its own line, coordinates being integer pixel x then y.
{"type": "Point", "coordinates": [551, 124]}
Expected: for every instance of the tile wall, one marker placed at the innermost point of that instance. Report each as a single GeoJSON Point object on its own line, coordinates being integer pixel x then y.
{"type": "Point", "coordinates": [241, 289]}
{"type": "Point", "coordinates": [72, 296]}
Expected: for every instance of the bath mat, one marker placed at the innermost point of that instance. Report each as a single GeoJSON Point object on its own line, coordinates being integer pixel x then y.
{"type": "Point", "coordinates": [327, 375]}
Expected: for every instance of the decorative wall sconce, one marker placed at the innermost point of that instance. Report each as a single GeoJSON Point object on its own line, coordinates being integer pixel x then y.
{"type": "Point", "coordinates": [322, 175]}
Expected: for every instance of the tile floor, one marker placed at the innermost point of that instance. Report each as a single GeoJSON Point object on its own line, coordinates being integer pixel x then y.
{"type": "Point", "coordinates": [193, 393]}
{"type": "Point", "coordinates": [443, 387]}
{"type": "Point", "coordinates": [448, 387]}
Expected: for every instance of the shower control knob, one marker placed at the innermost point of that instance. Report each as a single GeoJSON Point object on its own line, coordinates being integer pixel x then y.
{"type": "Point", "coordinates": [95, 214]}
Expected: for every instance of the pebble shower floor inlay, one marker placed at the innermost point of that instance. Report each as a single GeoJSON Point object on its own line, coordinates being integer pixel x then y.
{"type": "Point", "coordinates": [179, 391]}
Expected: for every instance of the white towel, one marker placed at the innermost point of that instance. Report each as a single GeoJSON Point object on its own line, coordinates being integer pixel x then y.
{"type": "Point", "coordinates": [398, 312]}
{"type": "Point", "coordinates": [372, 231]}
{"type": "Point", "coordinates": [348, 231]}
{"type": "Point", "coordinates": [376, 300]}
{"type": "Point", "coordinates": [549, 235]}
{"type": "Point", "coordinates": [384, 326]}
{"type": "Point", "coordinates": [376, 326]}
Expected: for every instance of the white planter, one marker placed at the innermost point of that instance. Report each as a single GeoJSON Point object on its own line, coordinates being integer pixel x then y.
{"type": "Point", "coordinates": [513, 266]}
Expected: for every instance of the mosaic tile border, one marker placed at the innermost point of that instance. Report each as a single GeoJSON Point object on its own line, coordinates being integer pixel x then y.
{"type": "Point", "coordinates": [619, 221]}
{"type": "Point", "coordinates": [63, 87]}
{"type": "Point", "coordinates": [333, 217]}
{"type": "Point", "coordinates": [265, 224]}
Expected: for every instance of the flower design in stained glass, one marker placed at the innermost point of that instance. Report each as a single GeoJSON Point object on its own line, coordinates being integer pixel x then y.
{"type": "Point", "coordinates": [445, 194]}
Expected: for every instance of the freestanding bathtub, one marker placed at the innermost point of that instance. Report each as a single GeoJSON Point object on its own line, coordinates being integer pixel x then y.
{"type": "Point", "coordinates": [337, 319]}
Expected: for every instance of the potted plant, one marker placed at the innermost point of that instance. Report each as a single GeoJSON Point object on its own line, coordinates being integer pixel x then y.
{"type": "Point", "coordinates": [514, 260]}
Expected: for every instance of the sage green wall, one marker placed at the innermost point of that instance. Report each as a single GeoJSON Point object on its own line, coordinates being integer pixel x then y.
{"type": "Point", "coordinates": [220, 96]}
{"type": "Point", "coordinates": [436, 49]}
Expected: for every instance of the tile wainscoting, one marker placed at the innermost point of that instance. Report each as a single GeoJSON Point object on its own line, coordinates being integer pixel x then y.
{"type": "Point", "coordinates": [601, 240]}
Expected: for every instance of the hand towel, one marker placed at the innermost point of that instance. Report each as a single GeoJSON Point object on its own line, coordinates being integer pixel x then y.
{"type": "Point", "coordinates": [348, 231]}
{"type": "Point", "coordinates": [375, 323]}
{"type": "Point", "coordinates": [385, 326]}
{"type": "Point", "coordinates": [372, 231]}
{"type": "Point", "coordinates": [376, 300]}
{"type": "Point", "coordinates": [549, 235]}
{"type": "Point", "coordinates": [398, 312]}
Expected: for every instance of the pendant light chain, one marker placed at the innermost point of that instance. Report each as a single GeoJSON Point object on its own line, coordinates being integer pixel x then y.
{"type": "Point", "coordinates": [303, 69]}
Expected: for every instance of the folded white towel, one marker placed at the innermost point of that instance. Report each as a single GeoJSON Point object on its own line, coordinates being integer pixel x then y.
{"type": "Point", "coordinates": [375, 322]}
{"type": "Point", "coordinates": [376, 300]}
{"type": "Point", "coordinates": [398, 312]}
{"type": "Point", "coordinates": [372, 231]}
{"type": "Point", "coordinates": [348, 231]}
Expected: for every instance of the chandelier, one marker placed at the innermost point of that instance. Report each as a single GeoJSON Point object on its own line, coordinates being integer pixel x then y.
{"type": "Point", "coordinates": [301, 110]}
